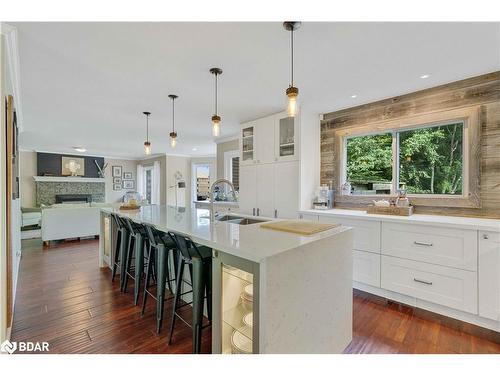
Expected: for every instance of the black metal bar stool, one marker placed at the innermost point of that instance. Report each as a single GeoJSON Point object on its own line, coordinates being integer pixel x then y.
{"type": "Point", "coordinates": [120, 255]}
{"type": "Point", "coordinates": [199, 260]}
{"type": "Point", "coordinates": [137, 242]}
{"type": "Point", "coordinates": [159, 270]}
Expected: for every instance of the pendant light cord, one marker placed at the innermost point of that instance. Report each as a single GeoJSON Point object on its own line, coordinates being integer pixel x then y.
{"type": "Point", "coordinates": [291, 49]}
{"type": "Point", "coordinates": [173, 115]}
{"type": "Point", "coordinates": [147, 128]}
{"type": "Point", "coordinates": [216, 94]}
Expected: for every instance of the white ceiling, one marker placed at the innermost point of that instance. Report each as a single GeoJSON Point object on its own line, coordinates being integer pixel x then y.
{"type": "Point", "coordinates": [87, 84]}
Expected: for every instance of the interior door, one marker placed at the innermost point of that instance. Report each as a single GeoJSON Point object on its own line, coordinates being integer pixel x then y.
{"type": "Point", "coordinates": [265, 140]}
{"type": "Point", "coordinates": [248, 189]}
{"type": "Point", "coordinates": [286, 189]}
{"type": "Point", "coordinates": [265, 189]}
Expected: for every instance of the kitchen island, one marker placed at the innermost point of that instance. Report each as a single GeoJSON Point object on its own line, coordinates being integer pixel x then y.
{"type": "Point", "coordinates": [273, 292]}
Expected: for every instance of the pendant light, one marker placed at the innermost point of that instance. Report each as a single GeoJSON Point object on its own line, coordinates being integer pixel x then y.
{"type": "Point", "coordinates": [216, 118]}
{"type": "Point", "coordinates": [291, 92]}
{"type": "Point", "coordinates": [147, 144]}
{"type": "Point", "coordinates": [173, 134]}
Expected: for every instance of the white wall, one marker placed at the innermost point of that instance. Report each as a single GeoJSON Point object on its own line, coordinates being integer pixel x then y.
{"type": "Point", "coordinates": [113, 196]}
{"type": "Point", "coordinates": [28, 170]}
{"type": "Point", "coordinates": [309, 157]}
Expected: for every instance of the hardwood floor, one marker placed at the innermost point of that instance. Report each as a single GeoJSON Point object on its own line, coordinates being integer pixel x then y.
{"type": "Point", "coordinates": [65, 299]}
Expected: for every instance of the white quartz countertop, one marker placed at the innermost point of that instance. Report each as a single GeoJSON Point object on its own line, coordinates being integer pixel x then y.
{"type": "Point", "coordinates": [439, 220]}
{"type": "Point", "coordinates": [245, 241]}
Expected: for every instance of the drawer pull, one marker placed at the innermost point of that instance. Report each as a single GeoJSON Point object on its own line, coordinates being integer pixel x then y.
{"type": "Point", "coordinates": [422, 281]}
{"type": "Point", "coordinates": [422, 243]}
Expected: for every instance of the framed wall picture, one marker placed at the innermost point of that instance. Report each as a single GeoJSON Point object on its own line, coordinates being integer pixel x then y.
{"type": "Point", "coordinates": [116, 170]}
{"type": "Point", "coordinates": [127, 175]}
{"type": "Point", "coordinates": [71, 166]}
{"type": "Point", "coordinates": [117, 186]}
{"type": "Point", "coordinates": [128, 184]}
{"type": "Point", "coordinates": [117, 180]}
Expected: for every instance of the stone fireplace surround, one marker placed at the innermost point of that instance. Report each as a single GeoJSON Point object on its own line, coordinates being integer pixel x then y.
{"type": "Point", "coordinates": [48, 187]}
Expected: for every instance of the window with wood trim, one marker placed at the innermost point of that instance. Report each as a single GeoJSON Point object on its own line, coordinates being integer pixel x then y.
{"type": "Point", "coordinates": [423, 160]}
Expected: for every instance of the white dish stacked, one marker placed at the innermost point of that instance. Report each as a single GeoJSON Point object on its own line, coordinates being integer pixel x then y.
{"type": "Point", "coordinates": [241, 344]}
{"type": "Point", "coordinates": [247, 297]}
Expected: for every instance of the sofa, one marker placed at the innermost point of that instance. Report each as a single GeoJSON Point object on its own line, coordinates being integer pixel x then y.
{"type": "Point", "coordinates": [61, 221]}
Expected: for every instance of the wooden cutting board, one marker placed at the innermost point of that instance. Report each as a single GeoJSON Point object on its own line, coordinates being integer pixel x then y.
{"type": "Point", "coordinates": [298, 226]}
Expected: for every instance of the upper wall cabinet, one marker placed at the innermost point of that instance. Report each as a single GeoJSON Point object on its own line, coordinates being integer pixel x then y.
{"type": "Point", "coordinates": [286, 138]}
{"type": "Point", "coordinates": [269, 139]}
{"type": "Point", "coordinates": [247, 143]}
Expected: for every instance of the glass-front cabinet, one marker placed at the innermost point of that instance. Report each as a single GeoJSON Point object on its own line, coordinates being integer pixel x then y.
{"type": "Point", "coordinates": [248, 144]}
{"type": "Point", "coordinates": [286, 138]}
{"type": "Point", "coordinates": [235, 307]}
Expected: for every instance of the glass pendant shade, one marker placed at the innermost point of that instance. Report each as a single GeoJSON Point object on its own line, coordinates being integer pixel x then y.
{"type": "Point", "coordinates": [215, 126]}
{"type": "Point", "coordinates": [292, 93]}
{"type": "Point", "coordinates": [173, 139]}
{"type": "Point", "coordinates": [147, 148]}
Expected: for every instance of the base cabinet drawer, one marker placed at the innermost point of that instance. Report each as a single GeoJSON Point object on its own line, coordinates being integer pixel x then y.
{"type": "Point", "coordinates": [366, 267]}
{"type": "Point", "coordinates": [444, 246]}
{"type": "Point", "coordinates": [442, 285]}
{"type": "Point", "coordinates": [366, 232]}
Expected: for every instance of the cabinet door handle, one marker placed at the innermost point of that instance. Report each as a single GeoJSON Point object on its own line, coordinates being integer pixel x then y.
{"type": "Point", "coordinates": [275, 213]}
{"type": "Point", "coordinates": [422, 243]}
{"type": "Point", "coordinates": [258, 211]}
{"type": "Point", "coordinates": [485, 236]}
{"type": "Point", "coordinates": [422, 281]}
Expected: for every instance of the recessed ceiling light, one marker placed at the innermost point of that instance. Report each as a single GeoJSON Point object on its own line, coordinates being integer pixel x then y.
{"type": "Point", "coordinates": [79, 149]}
{"type": "Point", "coordinates": [195, 149]}
{"type": "Point", "coordinates": [354, 96]}
{"type": "Point", "coordinates": [424, 76]}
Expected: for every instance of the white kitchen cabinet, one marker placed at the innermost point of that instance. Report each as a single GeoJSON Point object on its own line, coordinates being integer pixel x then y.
{"type": "Point", "coordinates": [270, 139]}
{"type": "Point", "coordinates": [489, 275]}
{"type": "Point", "coordinates": [446, 286]}
{"type": "Point", "coordinates": [366, 267]}
{"type": "Point", "coordinates": [247, 198]}
{"type": "Point", "coordinates": [286, 189]}
{"type": "Point", "coordinates": [366, 232]}
{"type": "Point", "coordinates": [444, 246]}
{"type": "Point", "coordinates": [265, 190]}
{"type": "Point", "coordinates": [247, 143]}
{"type": "Point", "coordinates": [270, 190]}
{"type": "Point", "coordinates": [265, 134]}
{"type": "Point", "coordinates": [286, 138]}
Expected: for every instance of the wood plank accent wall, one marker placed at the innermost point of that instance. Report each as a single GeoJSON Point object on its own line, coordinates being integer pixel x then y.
{"type": "Point", "coordinates": [482, 91]}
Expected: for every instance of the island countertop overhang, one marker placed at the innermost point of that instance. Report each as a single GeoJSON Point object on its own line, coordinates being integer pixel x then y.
{"type": "Point", "coordinates": [249, 242]}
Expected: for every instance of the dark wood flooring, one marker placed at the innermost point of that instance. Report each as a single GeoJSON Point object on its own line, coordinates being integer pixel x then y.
{"type": "Point", "coordinates": [64, 298]}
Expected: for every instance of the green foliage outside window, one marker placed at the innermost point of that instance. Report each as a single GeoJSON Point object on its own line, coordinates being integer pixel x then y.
{"type": "Point", "coordinates": [369, 158]}
{"type": "Point", "coordinates": [430, 159]}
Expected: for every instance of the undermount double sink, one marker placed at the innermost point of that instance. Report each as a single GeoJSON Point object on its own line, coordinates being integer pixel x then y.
{"type": "Point", "coordinates": [240, 220]}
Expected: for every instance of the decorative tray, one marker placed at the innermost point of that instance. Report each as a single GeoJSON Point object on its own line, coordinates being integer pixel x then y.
{"type": "Point", "coordinates": [390, 210]}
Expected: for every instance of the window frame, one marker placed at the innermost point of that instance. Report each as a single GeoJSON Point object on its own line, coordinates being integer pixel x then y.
{"type": "Point", "coordinates": [469, 117]}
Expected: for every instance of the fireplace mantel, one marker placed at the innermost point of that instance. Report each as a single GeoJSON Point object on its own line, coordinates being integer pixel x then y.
{"type": "Point", "coordinates": [67, 179]}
